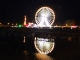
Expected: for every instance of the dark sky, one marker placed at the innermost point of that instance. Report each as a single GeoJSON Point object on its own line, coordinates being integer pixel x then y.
{"type": "Point", "coordinates": [14, 10]}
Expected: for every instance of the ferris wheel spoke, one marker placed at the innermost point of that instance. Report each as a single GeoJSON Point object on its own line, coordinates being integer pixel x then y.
{"type": "Point", "coordinates": [45, 16]}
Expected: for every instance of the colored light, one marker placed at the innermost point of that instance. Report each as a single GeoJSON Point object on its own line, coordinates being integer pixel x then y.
{"type": "Point", "coordinates": [19, 25]}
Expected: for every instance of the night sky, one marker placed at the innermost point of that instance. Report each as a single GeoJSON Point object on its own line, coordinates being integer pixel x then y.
{"type": "Point", "coordinates": [13, 11]}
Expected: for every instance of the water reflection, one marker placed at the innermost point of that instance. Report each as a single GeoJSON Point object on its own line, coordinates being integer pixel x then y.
{"type": "Point", "coordinates": [35, 56]}
{"type": "Point", "coordinates": [24, 40]}
{"type": "Point", "coordinates": [43, 57]}
{"type": "Point", "coordinates": [44, 46]}
{"type": "Point", "coordinates": [25, 54]}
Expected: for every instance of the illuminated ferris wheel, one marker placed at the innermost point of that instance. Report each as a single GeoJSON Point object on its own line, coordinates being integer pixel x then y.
{"type": "Point", "coordinates": [45, 17]}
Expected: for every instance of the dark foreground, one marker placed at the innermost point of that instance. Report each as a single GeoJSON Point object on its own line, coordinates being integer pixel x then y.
{"type": "Point", "coordinates": [12, 47]}
{"type": "Point", "coordinates": [15, 49]}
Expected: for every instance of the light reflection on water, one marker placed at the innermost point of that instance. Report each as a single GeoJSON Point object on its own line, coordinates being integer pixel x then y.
{"type": "Point", "coordinates": [12, 49]}
{"type": "Point", "coordinates": [43, 45]}
{"type": "Point", "coordinates": [37, 56]}
{"type": "Point", "coordinates": [43, 57]}
{"type": "Point", "coordinates": [24, 40]}
{"type": "Point", "coordinates": [25, 54]}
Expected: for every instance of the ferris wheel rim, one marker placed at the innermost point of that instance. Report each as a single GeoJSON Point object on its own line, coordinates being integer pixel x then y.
{"type": "Point", "coordinates": [53, 14]}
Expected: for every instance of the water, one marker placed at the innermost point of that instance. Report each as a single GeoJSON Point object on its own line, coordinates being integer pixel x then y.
{"type": "Point", "coordinates": [44, 45]}
{"type": "Point", "coordinates": [22, 48]}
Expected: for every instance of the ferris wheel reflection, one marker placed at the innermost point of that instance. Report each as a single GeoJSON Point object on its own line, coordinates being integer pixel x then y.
{"type": "Point", "coordinates": [44, 45]}
{"type": "Point", "coordinates": [43, 57]}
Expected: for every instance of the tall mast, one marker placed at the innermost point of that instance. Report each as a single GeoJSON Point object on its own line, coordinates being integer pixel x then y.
{"type": "Point", "coordinates": [25, 20]}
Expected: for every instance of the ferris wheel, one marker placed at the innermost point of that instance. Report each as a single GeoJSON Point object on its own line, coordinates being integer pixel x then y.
{"type": "Point", "coordinates": [45, 17]}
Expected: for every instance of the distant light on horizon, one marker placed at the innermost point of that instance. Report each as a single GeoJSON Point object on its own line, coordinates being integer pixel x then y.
{"type": "Point", "coordinates": [0, 23]}
{"type": "Point", "coordinates": [8, 23]}
{"type": "Point", "coordinates": [19, 25]}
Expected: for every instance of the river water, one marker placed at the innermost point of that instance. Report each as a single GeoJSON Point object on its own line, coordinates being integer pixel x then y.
{"type": "Point", "coordinates": [22, 48]}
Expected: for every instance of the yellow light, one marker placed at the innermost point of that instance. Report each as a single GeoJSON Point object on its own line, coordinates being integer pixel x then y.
{"type": "Point", "coordinates": [16, 23]}
{"type": "Point", "coordinates": [12, 24]}
{"type": "Point", "coordinates": [43, 56]}
{"type": "Point", "coordinates": [66, 24]}
{"type": "Point", "coordinates": [24, 40]}
{"type": "Point", "coordinates": [0, 23]}
{"type": "Point", "coordinates": [8, 23]}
